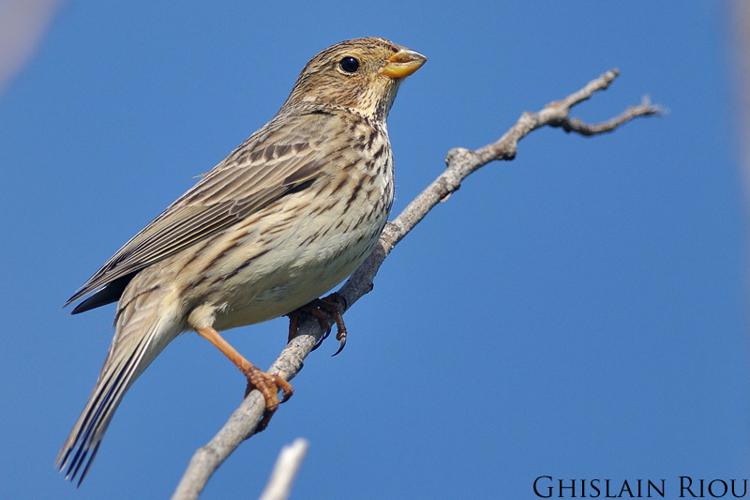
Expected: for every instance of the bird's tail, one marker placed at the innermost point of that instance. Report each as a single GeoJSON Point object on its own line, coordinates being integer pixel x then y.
{"type": "Point", "coordinates": [141, 335]}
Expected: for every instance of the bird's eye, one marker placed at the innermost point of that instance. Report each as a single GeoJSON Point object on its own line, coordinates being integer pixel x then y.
{"type": "Point", "coordinates": [349, 64]}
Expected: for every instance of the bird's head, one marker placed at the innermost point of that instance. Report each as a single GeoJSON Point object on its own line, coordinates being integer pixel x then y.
{"type": "Point", "coordinates": [361, 74]}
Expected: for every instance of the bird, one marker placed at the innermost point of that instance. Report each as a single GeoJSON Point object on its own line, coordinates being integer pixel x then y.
{"type": "Point", "coordinates": [288, 214]}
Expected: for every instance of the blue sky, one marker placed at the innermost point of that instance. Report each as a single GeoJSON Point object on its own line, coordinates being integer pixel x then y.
{"type": "Point", "coordinates": [578, 312]}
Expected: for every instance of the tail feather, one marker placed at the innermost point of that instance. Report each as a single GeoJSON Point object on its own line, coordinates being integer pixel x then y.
{"type": "Point", "coordinates": [125, 363]}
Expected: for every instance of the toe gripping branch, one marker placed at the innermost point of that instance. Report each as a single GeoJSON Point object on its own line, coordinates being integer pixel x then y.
{"type": "Point", "coordinates": [327, 311]}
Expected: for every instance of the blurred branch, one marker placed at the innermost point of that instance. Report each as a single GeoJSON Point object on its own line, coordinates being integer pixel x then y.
{"type": "Point", "coordinates": [22, 25]}
{"type": "Point", "coordinates": [280, 485]}
{"type": "Point", "coordinates": [461, 162]}
{"type": "Point", "coordinates": [740, 20]}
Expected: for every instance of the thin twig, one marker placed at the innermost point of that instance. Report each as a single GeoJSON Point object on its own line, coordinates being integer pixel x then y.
{"type": "Point", "coordinates": [460, 163]}
{"type": "Point", "coordinates": [575, 125]}
{"type": "Point", "coordinates": [287, 465]}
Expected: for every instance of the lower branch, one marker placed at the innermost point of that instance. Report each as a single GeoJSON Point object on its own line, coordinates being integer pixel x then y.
{"type": "Point", "coordinates": [280, 485]}
{"type": "Point", "coordinates": [461, 162]}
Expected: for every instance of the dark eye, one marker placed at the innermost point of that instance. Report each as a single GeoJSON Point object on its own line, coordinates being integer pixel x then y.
{"type": "Point", "coordinates": [349, 64]}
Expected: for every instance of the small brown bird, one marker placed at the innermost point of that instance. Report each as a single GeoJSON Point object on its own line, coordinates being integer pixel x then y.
{"type": "Point", "coordinates": [287, 215]}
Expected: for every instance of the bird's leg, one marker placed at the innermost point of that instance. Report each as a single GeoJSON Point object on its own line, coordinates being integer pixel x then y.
{"type": "Point", "coordinates": [269, 384]}
{"type": "Point", "coordinates": [327, 311]}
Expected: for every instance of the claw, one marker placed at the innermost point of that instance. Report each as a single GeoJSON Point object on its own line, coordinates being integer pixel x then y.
{"type": "Point", "coordinates": [340, 325]}
{"type": "Point", "coordinates": [342, 344]}
{"type": "Point", "coordinates": [320, 341]}
{"type": "Point", "coordinates": [327, 311]}
{"type": "Point", "coordinates": [286, 390]}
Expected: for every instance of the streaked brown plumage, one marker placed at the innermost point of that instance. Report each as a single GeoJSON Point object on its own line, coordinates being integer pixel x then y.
{"type": "Point", "coordinates": [287, 215]}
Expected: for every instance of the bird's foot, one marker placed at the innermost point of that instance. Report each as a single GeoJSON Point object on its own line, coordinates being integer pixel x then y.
{"type": "Point", "coordinates": [328, 311]}
{"type": "Point", "coordinates": [269, 385]}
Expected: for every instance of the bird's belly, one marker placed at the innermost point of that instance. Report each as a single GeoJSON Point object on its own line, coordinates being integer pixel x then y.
{"type": "Point", "coordinates": [293, 274]}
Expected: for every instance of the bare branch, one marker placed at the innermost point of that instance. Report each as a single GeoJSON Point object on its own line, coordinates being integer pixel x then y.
{"type": "Point", "coordinates": [280, 485]}
{"type": "Point", "coordinates": [575, 125]}
{"type": "Point", "coordinates": [460, 162]}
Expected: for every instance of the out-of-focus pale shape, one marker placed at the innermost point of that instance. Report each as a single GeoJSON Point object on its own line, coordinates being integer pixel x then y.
{"type": "Point", "coordinates": [741, 25]}
{"type": "Point", "coordinates": [22, 25]}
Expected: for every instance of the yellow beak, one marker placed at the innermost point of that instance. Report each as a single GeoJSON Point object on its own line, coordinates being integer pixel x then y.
{"type": "Point", "coordinates": [403, 63]}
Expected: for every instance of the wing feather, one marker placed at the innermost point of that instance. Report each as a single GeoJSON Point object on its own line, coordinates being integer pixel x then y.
{"type": "Point", "coordinates": [279, 159]}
